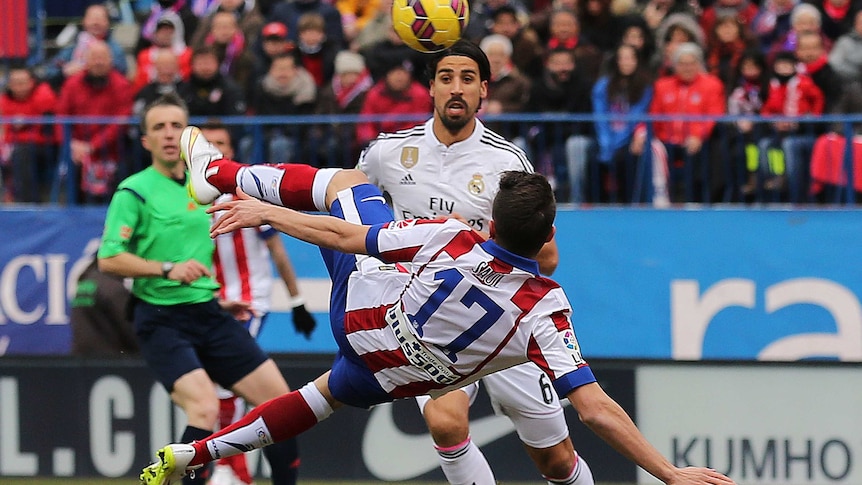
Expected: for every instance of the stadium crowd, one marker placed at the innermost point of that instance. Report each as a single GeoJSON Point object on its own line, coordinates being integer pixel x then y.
{"type": "Point", "coordinates": [656, 90]}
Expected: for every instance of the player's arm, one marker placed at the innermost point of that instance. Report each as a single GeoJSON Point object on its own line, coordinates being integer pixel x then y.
{"type": "Point", "coordinates": [114, 256]}
{"type": "Point", "coordinates": [324, 231]}
{"type": "Point", "coordinates": [130, 265]}
{"type": "Point", "coordinates": [282, 264]}
{"type": "Point", "coordinates": [610, 422]}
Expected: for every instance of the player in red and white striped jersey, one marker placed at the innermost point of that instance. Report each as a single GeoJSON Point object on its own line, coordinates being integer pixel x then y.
{"type": "Point", "coordinates": [464, 307]}
{"type": "Point", "coordinates": [243, 263]}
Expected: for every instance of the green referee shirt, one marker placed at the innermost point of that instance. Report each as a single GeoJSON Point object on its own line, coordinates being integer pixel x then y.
{"type": "Point", "coordinates": [153, 216]}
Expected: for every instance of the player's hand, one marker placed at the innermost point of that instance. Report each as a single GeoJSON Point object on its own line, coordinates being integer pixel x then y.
{"type": "Point", "coordinates": [243, 211]}
{"type": "Point", "coordinates": [457, 217]}
{"type": "Point", "coordinates": [188, 271]}
{"type": "Point", "coordinates": [303, 321]}
{"type": "Point", "coordinates": [699, 476]}
{"type": "Point", "coordinates": [241, 310]}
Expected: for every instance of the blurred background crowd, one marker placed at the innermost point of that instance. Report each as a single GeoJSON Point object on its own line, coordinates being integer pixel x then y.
{"type": "Point", "coordinates": [617, 101]}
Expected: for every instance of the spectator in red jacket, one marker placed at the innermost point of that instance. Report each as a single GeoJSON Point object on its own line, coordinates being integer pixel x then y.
{"type": "Point", "coordinates": [32, 145]}
{"type": "Point", "coordinates": [689, 91]}
{"type": "Point", "coordinates": [396, 94]}
{"type": "Point", "coordinates": [96, 148]}
{"type": "Point", "coordinates": [167, 37]}
{"type": "Point", "coordinates": [790, 94]}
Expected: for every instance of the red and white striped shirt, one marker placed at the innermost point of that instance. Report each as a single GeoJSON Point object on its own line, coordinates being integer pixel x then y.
{"type": "Point", "coordinates": [243, 264]}
{"type": "Point", "coordinates": [475, 307]}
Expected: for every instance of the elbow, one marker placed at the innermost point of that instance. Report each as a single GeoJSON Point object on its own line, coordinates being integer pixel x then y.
{"type": "Point", "coordinates": [106, 265]}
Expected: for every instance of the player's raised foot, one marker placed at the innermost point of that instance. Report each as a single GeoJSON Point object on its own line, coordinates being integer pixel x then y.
{"type": "Point", "coordinates": [171, 466]}
{"type": "Point", "coordinates": [197, 152]}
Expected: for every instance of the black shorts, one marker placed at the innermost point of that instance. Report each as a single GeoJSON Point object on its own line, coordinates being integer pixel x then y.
{"type": "Point", "coordinates": [177, 339]}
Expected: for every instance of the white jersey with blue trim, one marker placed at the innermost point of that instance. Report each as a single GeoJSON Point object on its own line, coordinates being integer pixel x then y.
{"type": "Point", "coordinates": [424, 179]}
{"type": "Point", "coordinates": [471, 308]}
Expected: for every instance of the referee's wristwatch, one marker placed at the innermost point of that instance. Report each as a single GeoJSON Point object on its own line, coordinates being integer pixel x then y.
{"type": "Point", "coordinates": [167, 266]}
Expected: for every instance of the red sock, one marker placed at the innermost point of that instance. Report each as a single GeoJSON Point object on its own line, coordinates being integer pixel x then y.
{"type": "Point", "coordinates": [224, 179]}
{"type": "Point", "coordinates": [239, 467]}
{"type": "Point", "coordinates": [226, 412]}
{"type": "Point", "coordinates": [285, 416]}
{"type": "Point", "coordinates": [295, 189]}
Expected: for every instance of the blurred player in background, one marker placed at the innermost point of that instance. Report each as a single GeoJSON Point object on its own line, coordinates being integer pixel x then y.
{"type": "Point", "coordinates": [460, 308]}
{"type": "Point", "coordinates": [158, 235]}
{"type": "Point", "coordinates": [243, 264]}
{"type": "Point", "coordinates": [449, 167]}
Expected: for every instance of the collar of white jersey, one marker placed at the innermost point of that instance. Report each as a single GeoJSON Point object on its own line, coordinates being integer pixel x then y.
{"type": "Point", "coordinates": [474, 137]}
{"type": "Point", "coordinates": [510, 258]}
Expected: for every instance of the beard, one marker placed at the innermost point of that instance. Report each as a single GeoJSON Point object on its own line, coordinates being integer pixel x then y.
{"type": "Point", "coordinates": [456, 124]}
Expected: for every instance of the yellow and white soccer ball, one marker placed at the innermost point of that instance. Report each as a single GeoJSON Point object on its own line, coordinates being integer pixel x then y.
{"type": "Point", "coordinates": [430, 25]}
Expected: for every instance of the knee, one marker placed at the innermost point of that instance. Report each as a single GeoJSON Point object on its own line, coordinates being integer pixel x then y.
{"type": "Point", "coordinates": [449, 425]}
{"type": "Point", "coordinates": [202, 413]}
{"type": "Point", "coordinates": [347, 178]}
{"type": "Point", "coordinates": [556, 461]}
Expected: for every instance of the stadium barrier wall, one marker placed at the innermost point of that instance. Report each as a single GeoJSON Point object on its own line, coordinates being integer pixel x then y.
{"type": "Point", "coordinates": [761, 423]}
{"type": "Point", "coordinates": [714, 284]}
{"type": "Point", "coordinates": [717, 174]}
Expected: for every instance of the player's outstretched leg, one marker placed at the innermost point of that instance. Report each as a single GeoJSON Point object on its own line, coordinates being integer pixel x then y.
{"type": "Point", "coordinates": [288, 185]}
{"type": "Point", "coordinates": [274, 421]}
{"type": "Point", "coordinates": [172, 465]}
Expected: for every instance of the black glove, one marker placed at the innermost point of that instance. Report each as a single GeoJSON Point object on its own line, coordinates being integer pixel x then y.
{"type": "Point", "coordinates": [303, 322]}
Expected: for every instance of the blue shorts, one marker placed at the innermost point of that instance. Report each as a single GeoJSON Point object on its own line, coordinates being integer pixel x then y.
{"type": "Point", "coordinates": [350, 381]}
{"type": "Point", "coordinates": [177, 339]}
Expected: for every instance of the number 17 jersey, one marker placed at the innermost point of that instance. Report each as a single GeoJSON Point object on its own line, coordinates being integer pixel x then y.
{"type": "Point", "coordinates": [470, 307]}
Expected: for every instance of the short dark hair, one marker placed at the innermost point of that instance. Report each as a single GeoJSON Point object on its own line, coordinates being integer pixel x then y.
{"type": "Point", "coordinates": [169, 99]}
{"type": "Point", "coordinates": [216, 124]}
{"type": "Point", "coordinates": [463, 48]}
{"type": "Point", "coordinates": [523, 212]}
{"type": "Point", "coordinates": [504, 10]}
{"type": "Point", "coordinates": [204, 50]}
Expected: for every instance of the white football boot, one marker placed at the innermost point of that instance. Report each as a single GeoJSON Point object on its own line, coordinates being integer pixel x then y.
{"type": "Point", "coordinates": [197, 152]}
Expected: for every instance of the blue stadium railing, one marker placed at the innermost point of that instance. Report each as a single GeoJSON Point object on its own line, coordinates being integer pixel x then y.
{"type": "Point", "coordinates": [721, 173]}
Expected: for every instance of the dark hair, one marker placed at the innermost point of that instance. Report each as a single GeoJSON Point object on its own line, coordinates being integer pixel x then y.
{"type": "Point", "coordinates": [504, 10]}
{"type": "Point", "coordinates": [462, 48]}
{"type": "Point", "coordinates": [205, 50]}
{"type": "Point", "coordinates": [631, 87]}
{"type": "Point", "coordinates": [170, 99]}
{"type": "Point", "coordinates": [638, 22]}
{"type": "Point", "coordinates": [784, 56]}
{"type": "Point", "coordinates": [523, 212]}
{"type": "Point", "coordinates": [214, 124]}
{"type": "Point", "coordinates": [757, 57]}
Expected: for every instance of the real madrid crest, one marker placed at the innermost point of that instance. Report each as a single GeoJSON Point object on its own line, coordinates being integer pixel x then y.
{"type": "Point", "coordinates": [409, 157]}
{"type": "Point", "coordinates": [476, 185]}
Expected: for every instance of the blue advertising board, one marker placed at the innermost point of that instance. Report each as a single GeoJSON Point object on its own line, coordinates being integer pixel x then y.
{"type": "Point", "coordinates": [711, 284]}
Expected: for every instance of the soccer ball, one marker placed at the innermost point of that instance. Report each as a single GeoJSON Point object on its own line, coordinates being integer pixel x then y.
{"type": "Point", "coordinates": [430, 25]}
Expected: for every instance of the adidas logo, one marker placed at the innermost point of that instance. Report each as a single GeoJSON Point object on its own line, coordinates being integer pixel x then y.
{"type": "Point", "coordinates": [407, 180]}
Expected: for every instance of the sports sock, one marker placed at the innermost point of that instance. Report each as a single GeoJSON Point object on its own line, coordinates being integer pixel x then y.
{"type": "Point", "coordinates": [201, 475]}
{"type": "Point", "coordinates": [222, 174]}
{"type": "Point", "coordinates": [286, 184]}
{"type": "Point", "coordinates": [239, 465]}
{"type": "Point", "coordinates": [580, 475]}
{"type": "Point", "coordinates": [273, 421]}
{"type": "Point", "coordinates": [464, 464]}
